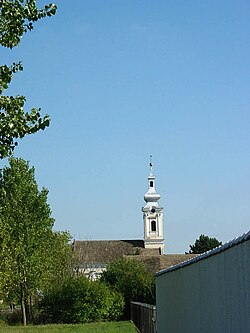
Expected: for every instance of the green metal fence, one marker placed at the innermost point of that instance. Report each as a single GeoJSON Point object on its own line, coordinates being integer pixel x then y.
{"type": "Point", "coordinates": [144, 317]}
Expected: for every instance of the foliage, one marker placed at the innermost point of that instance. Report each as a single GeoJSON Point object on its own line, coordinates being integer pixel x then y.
{"type": "Point", "coordinates": [28, 245]}
{"type": "Point", "coordinates": [59, 261]}
{"type": "Point", "coordinates": [80, 300]}
{"type": "Point", "coordinates": [103, 327]}
{"type": "Point", "coordinates": [131, 278]}
{"type": "Point", "coordinates": [16, 18]}
{"type": "Point", "coordinates": [203, 244]}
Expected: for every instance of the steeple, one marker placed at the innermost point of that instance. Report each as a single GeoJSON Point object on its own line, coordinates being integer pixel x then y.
{"type": "Point", "coordinates": [152, 215]}
{"type": "Point", "coordinates": [151, 166]}
{"type": "Point", "coordinates": [151, 197]}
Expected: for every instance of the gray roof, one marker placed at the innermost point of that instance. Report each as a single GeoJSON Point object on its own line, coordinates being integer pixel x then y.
{"type": "Point", "coordinates": [100, 253]}
{"type": "Point", "coordinates": [105, 251]}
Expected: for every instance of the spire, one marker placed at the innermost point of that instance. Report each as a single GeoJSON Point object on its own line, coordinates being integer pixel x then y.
{"type": "Point", "coordinates": [151, 166]}
{"type": "Point", "coordinates": [151, 197]}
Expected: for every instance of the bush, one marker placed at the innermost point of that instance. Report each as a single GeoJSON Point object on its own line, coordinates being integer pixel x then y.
{"type": "Point", "coordinates": [131, 278]}
{"type": "Point", "coordinates": [80, 300]}
{"type": "Point", "coordinates": [13, 318]}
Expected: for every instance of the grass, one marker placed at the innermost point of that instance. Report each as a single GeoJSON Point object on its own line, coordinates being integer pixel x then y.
{"type": "Point", "coordinates": [107, 327]}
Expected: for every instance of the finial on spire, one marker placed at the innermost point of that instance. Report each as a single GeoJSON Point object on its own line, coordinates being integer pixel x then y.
{"type": "Point", "coordinates": [151, 164]}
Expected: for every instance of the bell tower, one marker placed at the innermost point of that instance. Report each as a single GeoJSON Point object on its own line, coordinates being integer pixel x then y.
{"type": "Point", "coordinates": [153, 216]}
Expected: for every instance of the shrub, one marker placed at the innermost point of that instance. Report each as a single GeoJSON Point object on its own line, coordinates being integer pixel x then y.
{"type": "Point", "coordinates": [131, 278]}
{"type": "Point", "coordinates": [13, 318]}
{"type": "Point", "coordinates": [80, 300]}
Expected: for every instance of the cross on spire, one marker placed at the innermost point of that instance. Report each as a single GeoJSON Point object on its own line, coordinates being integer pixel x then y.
{"type": "Point", "coordinates": [151, 165]}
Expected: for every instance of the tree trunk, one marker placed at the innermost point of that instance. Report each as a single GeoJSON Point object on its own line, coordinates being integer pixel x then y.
{"type": "Point", "coordinates": [23, 311]}
{"type": "Point", "coordinates": [30, 309]}
{"type": "Point", "coordinates": [23, 306]}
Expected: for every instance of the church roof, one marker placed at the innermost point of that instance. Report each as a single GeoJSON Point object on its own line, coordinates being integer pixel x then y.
{"type": "Point", "coordinates": [105, 251]}
{"type": "Point", "coordinates": [100, 253]}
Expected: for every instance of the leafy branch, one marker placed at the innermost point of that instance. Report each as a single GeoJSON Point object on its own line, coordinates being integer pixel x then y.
{"type": "Point", "coordinates": [16, 18]}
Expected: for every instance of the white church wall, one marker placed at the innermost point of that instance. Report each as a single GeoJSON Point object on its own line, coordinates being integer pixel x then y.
{"type": "Point", "coordinates": [92, 272]}
{"type": "Point", "coordinates": [210, 294]}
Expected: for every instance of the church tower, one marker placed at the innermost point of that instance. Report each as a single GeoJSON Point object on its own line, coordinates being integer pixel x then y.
{"type": "Point", "coordinates": [153, 216]}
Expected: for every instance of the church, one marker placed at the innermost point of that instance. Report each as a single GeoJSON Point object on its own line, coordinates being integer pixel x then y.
{"type": "Point", "coordinates": [93, 256]}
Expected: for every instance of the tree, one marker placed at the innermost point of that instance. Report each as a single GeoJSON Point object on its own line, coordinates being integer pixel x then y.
{"type": "Point", "coordinates": [16, 18]}
{"type": "Point", "coordinates": [203, 244]}
{"type": "Point", "coordinates": [28, 245]}
{"type": "Point", "coordinates": [131, 278]}
{"type": "Point", "coordinates": [60, 260]}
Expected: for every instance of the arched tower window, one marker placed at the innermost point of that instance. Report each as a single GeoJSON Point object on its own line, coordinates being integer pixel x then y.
{"type": "Point", "coordinates": [153, 225]}
{"type": "Point", "coordinates": [151, 184]}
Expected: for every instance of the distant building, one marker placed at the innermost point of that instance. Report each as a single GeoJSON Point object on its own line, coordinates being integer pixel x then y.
{"type": "Point", "coordinates": [92, 257]}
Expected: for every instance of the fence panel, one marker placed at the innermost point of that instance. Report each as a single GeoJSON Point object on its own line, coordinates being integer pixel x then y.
{"type": "Point", "coordinates": [144, 317]}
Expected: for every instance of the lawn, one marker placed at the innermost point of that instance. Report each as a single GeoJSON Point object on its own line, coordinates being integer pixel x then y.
{"type": "Point", "coordinates": [110, 327]}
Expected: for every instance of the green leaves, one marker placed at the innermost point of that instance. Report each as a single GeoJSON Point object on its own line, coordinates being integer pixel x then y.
{"type": "Point", "coordinates": [6, 74]}
{"type": "Point", "coordinates": [16, 18]}
{"type": "Point", "coordinates": [203, 244]}
{"type": "Point", "coordinates": [131, 278]}
{"type": "Point", "coordinates": [16, 123]}
{"type": "Point", "coordinates": [79, 300]}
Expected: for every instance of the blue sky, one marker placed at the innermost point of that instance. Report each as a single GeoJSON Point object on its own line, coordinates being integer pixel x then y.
{"type": "Point", "coordinates": [123, 80]}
